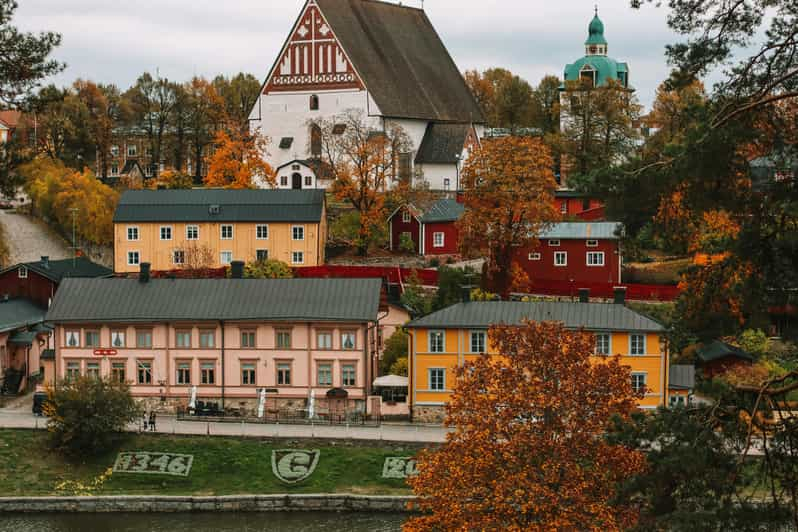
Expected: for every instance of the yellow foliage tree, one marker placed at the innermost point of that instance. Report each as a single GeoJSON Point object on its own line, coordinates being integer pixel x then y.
{"type": "Point", "coordinates": [237, 161]}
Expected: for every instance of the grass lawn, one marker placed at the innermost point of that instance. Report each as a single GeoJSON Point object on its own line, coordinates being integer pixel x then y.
{"type": "Point", "coordinates": [222, 466]}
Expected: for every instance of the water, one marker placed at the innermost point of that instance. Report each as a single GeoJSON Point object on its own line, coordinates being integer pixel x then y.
{"type": "Point", "coordinates": [202, 522]}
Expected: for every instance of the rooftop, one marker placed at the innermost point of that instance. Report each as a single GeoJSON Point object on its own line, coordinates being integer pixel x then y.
{"type": "Point", "coordinates": [584, 230]}
{"type": "Point", "coordinates": [18, 313]}
{"type": "Point", "coordinates": [443, 210]}
{"type": "Point", "coordinates": [56, 270]}
{"type": "Point", "coordinates": [716, 350]}
{"type": "Point", "coordinates": [442, 143]}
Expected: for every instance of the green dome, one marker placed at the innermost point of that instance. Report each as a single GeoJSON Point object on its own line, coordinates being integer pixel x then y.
{"type": "Point", "coordinates": [605, 67]}
{"type": "Point", "coordinates": [596, 32]}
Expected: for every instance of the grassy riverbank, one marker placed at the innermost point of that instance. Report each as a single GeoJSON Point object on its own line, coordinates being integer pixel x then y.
{"type": "Point", "coordinates": [222, 466]}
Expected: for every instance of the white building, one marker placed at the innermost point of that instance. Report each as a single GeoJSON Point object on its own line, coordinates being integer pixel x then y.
{"type": "Point", "coordinates": [384, 60]}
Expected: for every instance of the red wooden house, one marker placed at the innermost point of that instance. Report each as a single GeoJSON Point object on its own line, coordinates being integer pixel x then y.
{"type": "Point", "coordinates": [588, 252]}
{"type": "Point", "coordinates": [572, 203]}
{"type": "Point", "coordinates": [433, 229]}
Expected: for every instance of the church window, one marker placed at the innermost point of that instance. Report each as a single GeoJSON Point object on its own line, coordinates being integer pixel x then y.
{"type": "Point", "coordinates": [314, 102]}
{"type": "Point", "coordinates": [405, 166]}
{"type": "Point", "coordinates": [315, 140]}
{"type": "Point", "coordinates": [338, 129]}
{"type": "Point", "coordinates": [589, 75]}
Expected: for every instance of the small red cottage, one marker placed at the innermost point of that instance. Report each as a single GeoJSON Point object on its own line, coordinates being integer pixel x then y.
{"type": "Point", "coordinates": [580, 252]}
{"type": "Point", "coordinates": [571, 203]}
{"type": "Point", "coordinates": [433, 230]}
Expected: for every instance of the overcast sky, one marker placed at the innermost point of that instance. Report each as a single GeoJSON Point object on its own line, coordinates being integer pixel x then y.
{"type": "Point", "coordinates": [113, 41]}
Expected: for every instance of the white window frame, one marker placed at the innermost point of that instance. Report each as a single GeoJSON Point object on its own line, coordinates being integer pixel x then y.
{"type": "Point", "coordinates": [406, 216]}
{"type": "Point", "coordinates": [294, 229]}
{"type": "Point", "coordinates": [534, 256]}
{"type": "Point", "coordinates": [115, 150]}
{"type": "Point", "coordinates": [260, 231]}
{"type": "Point", "coordinates": [430, 381]}
{"type": "Point", "coordinates": [344, 370]}
{"type": "Point", "coordinates": [471, 342]}
{"type": "Point", "coordinates": [133, 228]}
{"type": "Point", "coordinates": [114, 169]}
{"type": "Point", "coordinates": [563, 254]}
{"type": "Point", "coordinates": [554, 243]}
{"type": "Point", "coordinates": [132, 152]}
{"type": "Point", "coordinates": [638, 374]}
{"type": "Point", "coordinates": [301, 257]}
{"type": "Point", "coordinates": [138, 258]}
{"type": "Point", "coordinates": [221, 231]}
{"type": "Point", "coordinates": [175, 253]}
{"type": "Point", "coordinates": [167, 228]}
{"type": "Point", "coordinates": [189, 231]}
{"type": "Point", "coordinates": [592, 243]}
{"type": "Point", "coordinates": [443, 341]}
{"type": "Point", "coordinates": [435, 242]}
{"type": "Point", "coordinates": [594, 255]}
{"type": "Point", "coordinates": [222, 255]}
{"type": "Point", "coordinates": [608, 336]}
{"type": "Point", "coordinates": [22, 272]}
{"type": "Point", "coordinates": [631, 344]}
{"type": "Point", "coordinates": [564, 207]}
{"type": "Point", "coordinates": [265, 251]}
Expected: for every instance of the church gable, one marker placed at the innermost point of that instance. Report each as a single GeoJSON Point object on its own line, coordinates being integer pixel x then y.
{"type": "Point", "coordinates": [312, 58]}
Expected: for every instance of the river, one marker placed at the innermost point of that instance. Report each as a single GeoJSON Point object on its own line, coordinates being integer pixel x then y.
{"type": "Point", "coordinates": [202, 522]}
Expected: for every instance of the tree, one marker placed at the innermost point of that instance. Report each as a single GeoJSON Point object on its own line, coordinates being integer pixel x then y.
{"type": "Point", "coordinates": [198, 257]}
{"type": "Point", "coordinates": [546, 105]}
{"type": "Point", "coordinates": [170, 180]}
{"type": "Point", "coordinates": [24, 59]}
{"type": "Point", "coordinates": [102, 104]}
{"type": "Point", "coordinates": [509, 198]}
{"type": "Point", "coordinates": [395, 348]}
{"type": "Point", "coordinates": [506, 100]}
{"type": "Point", "coordinates": [399, 367]}
{"type": "Point", "coordinates": [153, 101]}
{"type": "Point", "coordinates": [237, 161]}
{"type": "Point", "coordinates": [364, 163]}
{"type": "Point", "coordinates": [205, 116]}
{"type": "Point", "coordinates": [239, 94]}
{"type": "Point", "coordinates": [527, 450]}
{"type": "Point", "coordinates": [180, 123]}
{"type": "Point", "coordinates": [86, 415]}
{"type": "Point", "coordinates": [415, 298]}
{"type": "Point", "coordinates": [268, 269]}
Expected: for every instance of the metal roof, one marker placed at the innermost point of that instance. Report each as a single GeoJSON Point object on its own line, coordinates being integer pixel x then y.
{"type": "Point", "coordinates": [443, 210]}
{"type": "Point", "coordinates": [234, 205]}
{"type": "Point", "coordinates": [681, 377]}
{"type": "Point", "coordinates": [129, 300]}
{"type": "Point", "coordinates": [442, 143]}
{"type": "Point", "coordinates": [583, 230]}
{"type": "Point", "coordinates": [56, 270]}
{"type": "Point", "coordinates": [18, 313]}
{"type": "Point", "coordinates": [590, 316]}
{"type": "Point", "coordinates": [717, 349]}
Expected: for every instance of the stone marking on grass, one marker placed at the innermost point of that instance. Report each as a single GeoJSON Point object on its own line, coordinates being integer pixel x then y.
{"type": "Point", "coordinates": [399, 467]}
{"type": "Point", "coordinates": [294, 465]}
{"type": "Point", "coordinates": [152, 463]}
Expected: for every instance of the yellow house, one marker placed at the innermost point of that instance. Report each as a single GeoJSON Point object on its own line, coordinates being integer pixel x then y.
{"type": "Point", "coordinates": [210, 228]}
{"type": "Point", "coordinates": [446, 339]}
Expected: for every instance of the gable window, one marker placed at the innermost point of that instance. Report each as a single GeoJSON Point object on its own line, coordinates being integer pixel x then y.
{"type": "Point", "coordinates": [22, 272]}
{"type": "Point", "coordinates": [144, 339]}
{"type": "Point", "coordinates": [118, 339]}
{"type": "Point", "coordinates": [192, 232]}
{"type": "Point", "coordinates": [324, 375]}
{"type": "Point", "coordinates": [261, 255]}
{"type": "Point", "coordinates": [323, 340]}
{"type": "Point", "coordinates": [207, 338]}
{"type": "Point", "coordinates": [184, 373]}
{"type": "Point", "coordinates": [247, 338]}
{"type": "Point", "coordinates": [603, 343]}
{"type": "Point", "coordinates": [314, 102]}
{"type": "Point", "coordinates": [226, 232]}
{"type": "Point", "coordinates": [118, 372]}
{"type": "Point", "coordinates": [348, 340]}
{"type": "Point", "coordinates": [183, 338]}
{"type": "Point", "coordinates": [262, 232]}
{"type": "Point", "coordinates": [284, 374]}
{"type": "Point", "coordinates": [348, 375]}
{"type": "Point", "coordinates": [437, 379]}
{"type": "Point", "coordinates": [178, 257]}
{"type": "Point", "coordinates": [133, 258]}
{"type": "Point", "coordinates": [248, 373]}
{"type": "Point", "coordinates": [226, 257]}
{"type": "Point", "coordinates": [436, 342]}
{"type": "Point", "coordinates": [132, 233]}
{"type": "Point", "coordinates": [639, 382]}
{"type": "Point", "coordinates": [437, 240]}
{"type": "Point", "coordinates": [406, 217]}
{"type": "Point", "coordinates": [208, 373]}
{"type": "Point", "coordinates": [298, 232]}
{"type": "Point", "coordinates": [144, 372]}
{"type": "Point", "coordinates": [72, 338]}
{"type": "Point", "coordinates": [534, 256]}
{"type": "Point", "coordinates": [592, 243]}
{"type": "Point", "coordinates": [477, 341]}
{"type": "Point", "coordinates": [637, 344]}
{"type": "Point", "coordinates": [595, 258]}
{"type": "Point", "coordinates": [282, 339]}
{"type": "Point", "coordinates": [297, 257]}
{"type": "Point", "coordinates": [554, 243]}
{"type": "Point", "coordinates": [560, 258]}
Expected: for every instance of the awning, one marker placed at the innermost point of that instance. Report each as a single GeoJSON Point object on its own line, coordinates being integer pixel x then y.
{"type": "Point", "coordinates": [391, 381]}
{"type": "Point", "coordinates": [337, 393]}
{"type": "Point", "coordinates": [22, 338]}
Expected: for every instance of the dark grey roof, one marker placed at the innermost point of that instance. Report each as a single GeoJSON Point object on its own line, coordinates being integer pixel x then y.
{"type": "Point", "coordinates": [681, 377]}
{"type": "Point", "coordinates": [443, 210]}
{"type": "Point", "coordinates": [130, 165]}
{"type": "Point", "coordinates": [587, 230]}
{"type": "Point", "coordinates": [56, 270]}
{"type": "Point", "coordinates": [128, 300]}
{"type": "Point", "coordinates": [569, 193]}
{"type": "Point", "coordinates": [718, 349]}
{"type": "Point", "coordinates": [234, 205]}
{"type": "Point", "coordinates": [402, 60]}
{"type": "Point", "coordinates": [48, 354]}
{"type": "Point", "coordinates": [590, 316]}
{"type": "Point", "coordinates": [18, 313]}
{"type": "Point", "coordinates": [442, 143]}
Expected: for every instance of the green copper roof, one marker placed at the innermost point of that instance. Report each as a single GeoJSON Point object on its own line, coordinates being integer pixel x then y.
{"type": "Point", "coordinates": [605, 67]}
{"type": "Point", "coordinates": [596, 32]}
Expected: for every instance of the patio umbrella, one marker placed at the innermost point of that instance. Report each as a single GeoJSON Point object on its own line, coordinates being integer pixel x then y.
{"type": "Point", "coordinates": [192, 402]}
{"type": "Point", "coordinates": [261, 402]}
{"type": "Point", "coordinates": [312, 404]}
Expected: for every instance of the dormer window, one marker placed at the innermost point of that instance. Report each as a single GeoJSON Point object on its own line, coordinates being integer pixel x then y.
{"type": "Point", "coordinates": [587, 74]}
{"type": "Point", "coordinates": [314, 102]}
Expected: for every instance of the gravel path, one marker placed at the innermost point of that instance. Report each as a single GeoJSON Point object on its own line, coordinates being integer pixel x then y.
{"type": "Point", "coordinates": [30, 239]}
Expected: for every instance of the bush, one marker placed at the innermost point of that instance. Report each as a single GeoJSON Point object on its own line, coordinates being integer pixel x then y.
{"type": "Point", "coordinates": [755, 341]}
{"type": "Point", "coordinates": [266, 269]}
{"type": "Point", "coordinates": [406, 243]}
{"type": "Point", "coordinates": [87, 414]}
{"type": "Point", "coordinates": [395, 349]}
{"type": "Point", "coordinates": [400, 367]}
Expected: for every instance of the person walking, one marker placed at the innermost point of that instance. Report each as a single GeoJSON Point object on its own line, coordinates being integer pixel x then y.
{"type": "Point", "coordinates": [152, 421]}
{"type": "Point", "coordinates": [144, 421]}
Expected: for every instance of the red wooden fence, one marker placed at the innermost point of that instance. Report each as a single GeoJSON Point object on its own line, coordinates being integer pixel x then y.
{"type": "Point", "coordinates": [393, 275]}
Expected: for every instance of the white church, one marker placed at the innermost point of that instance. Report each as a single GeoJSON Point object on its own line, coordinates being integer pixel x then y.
{"type": "Point", "coordinates": [382, 59]}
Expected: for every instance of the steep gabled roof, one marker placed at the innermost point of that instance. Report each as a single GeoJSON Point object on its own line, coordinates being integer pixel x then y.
{"type": "Point", "coordinates": [57, 270]}
{"type": "Point", "coordinates": [442, 143]}
{"type": "Point", "coordinates": [402, 60]}
{"type": "Point", "coordinates": [443, 210]}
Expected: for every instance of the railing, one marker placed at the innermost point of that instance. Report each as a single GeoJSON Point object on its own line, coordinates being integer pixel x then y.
{"type": "Point", "coordinates": [288, 417]}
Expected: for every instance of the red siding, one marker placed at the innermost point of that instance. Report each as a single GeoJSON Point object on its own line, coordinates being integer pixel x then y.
{"type": "Point", "coordinates": [398, 227]}
{"type": "Point", "coordinates": [575, 206]}
{"type": "Point", "coordinates": [576, 269]}
{"type": "Point", "coordinates": [451, 237]}
{"type": "Point", "coordinates": [35, 287]}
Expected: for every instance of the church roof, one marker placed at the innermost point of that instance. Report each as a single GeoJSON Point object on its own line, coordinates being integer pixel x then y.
{"type": "Point", "coordinates": [596, 32]}
{"type": "Point", "coordinates": [402, 60]}
{"type": "Point", "coordinates": [442, 143]}
{"type": "Point", "coordinates": [605, 67]}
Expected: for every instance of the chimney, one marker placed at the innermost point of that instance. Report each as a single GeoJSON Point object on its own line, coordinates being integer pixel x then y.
{"type": "Point", "coordinates": [584, 295]}
{"type": "Point", "coordinates": [237, 269]}
{"type": "Point", "coordinates": [45, 261]}
{"type": "Point", "coordinates": [620, 295]}
{"type": "Point", "coordinates": [144, 272]}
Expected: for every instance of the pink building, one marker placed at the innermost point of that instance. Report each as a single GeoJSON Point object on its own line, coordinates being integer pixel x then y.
{"type": "Point", "coordinates": [227, 342]}
{"type": "Point", "coordinates": [24, 342]}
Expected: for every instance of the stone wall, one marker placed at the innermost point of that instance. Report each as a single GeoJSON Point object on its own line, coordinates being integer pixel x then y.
{"type": "Point", "coordinates": [233, 503]}
{"type": "Point", "coordinates": [428, 414]}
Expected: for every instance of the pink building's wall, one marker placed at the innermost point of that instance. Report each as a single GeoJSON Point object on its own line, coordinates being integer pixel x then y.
{"type": "Point", "coordinates": [18, 356]}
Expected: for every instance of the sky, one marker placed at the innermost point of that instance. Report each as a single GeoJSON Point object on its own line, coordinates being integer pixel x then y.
{"type": "Point", "coordinates": [114, 41]}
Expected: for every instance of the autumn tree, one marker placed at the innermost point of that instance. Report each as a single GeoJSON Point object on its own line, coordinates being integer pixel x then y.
{"type": "Point", "coordinates": [239, 94]}
{"type": "Point", "coordinates": [527, 450]}
{"type": "Point", "coordinates": [153, 100]}
{"type": "Point", "coordinates": [506, 99]}
{"type": "Point", "coordinates": [364, 163]}
{"type": "Point", "coordinates": [103, 106]}
{"type": "Point", "coordinates": [205, 117]}
{"type": "Point", "coordinates": [237, 161]}
{"type": "Point", "coordinates": [546, 105]}
{"type": "Point", "coordinates": [509, 187]}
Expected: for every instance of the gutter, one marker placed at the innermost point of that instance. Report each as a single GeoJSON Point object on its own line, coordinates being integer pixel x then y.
{"type": "Point", "coordinates": [221, 324]}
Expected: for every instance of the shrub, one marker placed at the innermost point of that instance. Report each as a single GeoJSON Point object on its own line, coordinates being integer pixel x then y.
{"type": "Point", "coordinates": [268, 269]}
{"type": "Point", "coordinates": [755, 341]}
{"type": "Point", "coordinates": [400, 367]}
{"type": "Point", "coordinates": [395, 348]}
{"type": "Point", "coordinates": [406, 243]}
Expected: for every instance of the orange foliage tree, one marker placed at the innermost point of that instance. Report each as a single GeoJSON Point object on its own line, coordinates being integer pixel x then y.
{"type": "Point", "coordinates": [237, 161]}
{"type": "Point", "coordinates": [527, 451]}
{"type": "Point", "coordinates": [509, 197]}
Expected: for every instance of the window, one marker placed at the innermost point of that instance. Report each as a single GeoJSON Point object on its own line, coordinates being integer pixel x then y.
{"type": "Point", "coordinates": [348, 340]}
{"type": "Point", "coordinates": [283, 339]}
{"type": "Point", "coordinates": [72, 371]}
{"type": "Point", "coordinates": [324, 375]}
{"type": "Point", "coordinates": [348, 375]}
{"type": "Point", "coordinates": [183, 338]}
{"type": "Point", "coordinates": [118, 372]}
{"type": "Point", "coordinates": [314, 102]}
{"type": "Point", "coordinates": [437, 379]}
{"type": "Point", "coordinates": [144, 372]}
{"type": "Point", "coordinates": [248, 373]}
{"type": "Point", "coordinates": [118, 339]}
{"type": "Point", "coordinates": [192, 232]}
{"type": "Point", "coordinates": [247, 338]}
{"type": "Point", "coordinates": [436, 342]}
{"type": "Point", "coordinates": [477, 341]}
{"type": "Point", "coordinates": [637, 344]}
{"type": "Point", "coordinates": [603, 344]}
{"type": "Point", "coordinates": [308, 181]}
{"type": "Point", "coordinates": [207, 373]}
{"type": "Point", "coordinates": [227, 232]}
{"type": "Point", "coordinates": [92, 338]}
{"type": "Point", "coordinates": [446, 183]}
{"type": "Point", "coordinates": [315, 140]}
{"type": "Point", "coordinates": [323, 340]}
{"type": "Point", "coordinates": [405, 166]}
{"type": "Point", "coordinates": [560, 258]}
{"type": "Point", "coordinates": [297, 257]}
{"type": "Point", "coordinates": [554, 243]}
{"type": "Point", "coordinates": [226, 257]}
{"type": "Point", "coordinates": [262, 232]}
{"type": "Point", "coordinates": [207, 338]}
{"type": "Point", "coordinates": [132, 233]}
{"type": "Point", "coordinates": [184, 373]}
{"type": "Point", "coordinates": [283, 180]}
{"type": "Point", "coordinates": [166, 232]}
{"type": "Point", "coordinates": [261, 255]}
{"type": "Point", "coordinates": [534, 256]}
{"type": "Point", "coordinates": [284, 374]}
{"type": "Point", "coordinates": [338, 129]}
{"type": "Point", "coordinates": [22, 272]}
{"type": "Point", "coordinates": [133, 258]}
{"type": "Point", "coordinates": [564, 207]}
{"type": "Point", "coordinates": [115, 151]}
{"type": "Point", "coordinates": [144, 339]}
{"type": "Point", "coordinates": [298, 232]}
{"type": "Point", "coordinates": [178, 257]}
{"type": "Point", "coordinates": [595, 258]}
{"type": "Point", "coordinates": [131, 150]}
{"type": "Point", "coordinates": [677, 400]}
{"type": "Point", "coordinates": [639, 382]}
{"type": "Point", "coordinates": [406, 217]}
{"type": "Point", "coordinates": [114, 169]}
{"type": "Point", "coordinates": [437, 240]}
{"type": "Point", "coordinates": [592, 243]}
{"type": "Point", "coordinates": [72, 339]}
{"type": "Point", "coordinates": [93, 370]}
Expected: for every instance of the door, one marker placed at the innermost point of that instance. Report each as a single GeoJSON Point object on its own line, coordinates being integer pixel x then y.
{"type": "Point", "coordinates": [296, 182]}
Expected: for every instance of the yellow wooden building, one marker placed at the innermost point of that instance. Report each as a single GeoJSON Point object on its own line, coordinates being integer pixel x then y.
{"type": "Point", "coordinates": [446, 339]}
{"type": "Point", "coordinates": [178, 229]}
